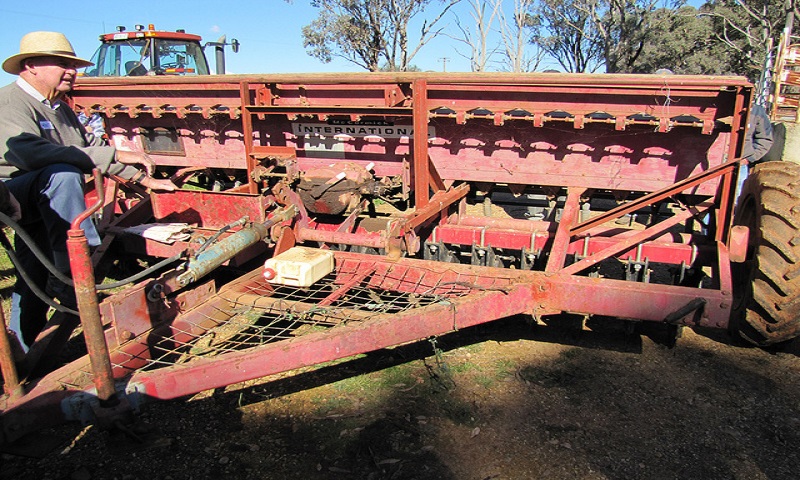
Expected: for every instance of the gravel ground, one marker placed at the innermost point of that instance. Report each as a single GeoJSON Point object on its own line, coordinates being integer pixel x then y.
{"type": "Point", "coordinates": [501, 401]}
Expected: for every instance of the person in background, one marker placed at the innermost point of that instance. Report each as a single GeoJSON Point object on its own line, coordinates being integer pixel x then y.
{"type": "Point", "coordinates": [93, 124]}
{"type": "Point", "coordinates": [46, 152]}
{"type": "Point", "coordinates": [757, 142]}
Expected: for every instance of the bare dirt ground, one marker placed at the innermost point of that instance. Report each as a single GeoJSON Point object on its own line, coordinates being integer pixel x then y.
{"type": "Point", "coordinates": [502, 401]}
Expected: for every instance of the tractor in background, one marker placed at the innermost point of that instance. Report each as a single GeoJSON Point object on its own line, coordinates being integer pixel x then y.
{"type": "Point", "coordinates": [155, 52]}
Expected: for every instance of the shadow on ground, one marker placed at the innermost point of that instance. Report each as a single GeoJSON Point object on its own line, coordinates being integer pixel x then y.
{"type": "Point", "coordinates": [506, 400]}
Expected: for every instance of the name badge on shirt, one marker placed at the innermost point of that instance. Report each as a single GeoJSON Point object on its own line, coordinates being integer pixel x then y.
{"type": "Point", "coordinates": [46, 124]}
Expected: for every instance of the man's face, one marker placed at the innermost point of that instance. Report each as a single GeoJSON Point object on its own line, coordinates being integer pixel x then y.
{"type": "Point", "coordinates": [52, 76]}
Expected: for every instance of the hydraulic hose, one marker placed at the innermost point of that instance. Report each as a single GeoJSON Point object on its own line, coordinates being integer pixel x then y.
{"type": "Point", "coordinates": [37, 252]}
{"type": "Point", "coordinates": [22, 273]}
{"type": "Point", "coordinates": [45, 261]}
{"type": "Point", "coordinates": [140, 275]}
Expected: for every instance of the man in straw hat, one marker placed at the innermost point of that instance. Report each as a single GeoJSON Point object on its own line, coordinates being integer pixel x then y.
{"type": "Point", "coordinates": [46, 152]}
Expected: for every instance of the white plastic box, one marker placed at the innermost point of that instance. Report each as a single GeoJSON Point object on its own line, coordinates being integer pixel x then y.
{"type": "Point", "coordinates": [299, 266]}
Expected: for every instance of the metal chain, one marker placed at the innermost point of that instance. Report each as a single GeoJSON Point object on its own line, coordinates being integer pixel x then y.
{"type": "Point", "coordinates": [444, 376]}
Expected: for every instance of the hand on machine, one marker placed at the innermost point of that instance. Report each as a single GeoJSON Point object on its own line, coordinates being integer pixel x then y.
{"type": "Point", "coordinates": [145, 177]}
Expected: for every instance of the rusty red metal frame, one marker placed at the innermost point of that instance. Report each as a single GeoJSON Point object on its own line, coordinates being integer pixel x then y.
{"type": "Point", "coordinates": [465, 296]}
{"type": "Point", "coordinates": [261, 101]}
{"type": "Point", "coordinates": [573, 134]}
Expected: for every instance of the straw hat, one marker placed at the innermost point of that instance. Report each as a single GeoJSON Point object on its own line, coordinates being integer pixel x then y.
{"type": "Point", "coordinates": [42, 44]}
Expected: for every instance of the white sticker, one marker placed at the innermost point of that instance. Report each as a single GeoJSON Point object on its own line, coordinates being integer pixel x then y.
{"type": "Point", "coordinates": [46, 124]}
{"type": "Point", "coordinates": [325, 130]}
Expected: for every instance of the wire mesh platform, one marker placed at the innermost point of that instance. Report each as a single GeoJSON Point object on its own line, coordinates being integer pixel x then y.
{"type": "Point", "coordinates": [250, 312]}
{"type": "Point", "coordinates": [266, 313]}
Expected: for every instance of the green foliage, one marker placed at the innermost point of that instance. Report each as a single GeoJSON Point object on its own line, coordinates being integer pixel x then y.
{"type": "Point", "coordinates": [625, 28]}
{"type": "Point", "coordinates": [743, 30]}
{"type": "Point", "coordinates": [351, 29]}
{"type": "Point", "coordinates": [7, 275]}
{"type": "Point", "coordinates": [370, 32]}
{"type": "Point", "coordinates": [616, 36]}
{"type": "Point", "coordinates": [683, 42]}
{"type": "Point", "coordinates": [641, 36]}
{"type": "Point", "coordinates": [585, 35]}
{"type": "Point", "coordinates": [565, 31]}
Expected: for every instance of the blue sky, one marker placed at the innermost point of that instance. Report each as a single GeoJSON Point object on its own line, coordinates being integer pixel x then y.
{"type": "Point", "coordinates": [269, 31]}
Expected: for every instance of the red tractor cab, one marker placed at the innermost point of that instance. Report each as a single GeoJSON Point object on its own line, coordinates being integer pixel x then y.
{"type": "Point", "coordinates": [154, 52]}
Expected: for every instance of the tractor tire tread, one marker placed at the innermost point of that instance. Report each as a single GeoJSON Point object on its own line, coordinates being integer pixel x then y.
{"type": "Point", "coordinates": [771, 315]}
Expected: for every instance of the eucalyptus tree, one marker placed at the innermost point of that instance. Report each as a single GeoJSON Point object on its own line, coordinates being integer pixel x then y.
{"type": "Point", "coordinates": [373, 34]}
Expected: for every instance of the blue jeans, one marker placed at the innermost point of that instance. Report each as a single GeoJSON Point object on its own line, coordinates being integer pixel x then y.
{"type": "Point", "coordinates": [744, 170]}
{"type": "Point", "coordinates": [50, 198]}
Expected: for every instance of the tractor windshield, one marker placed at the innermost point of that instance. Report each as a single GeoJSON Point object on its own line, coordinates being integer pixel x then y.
{"type": "Point", "coordinates": [176, 57]}
{"type": "Point", "coordinates": [147, 56]}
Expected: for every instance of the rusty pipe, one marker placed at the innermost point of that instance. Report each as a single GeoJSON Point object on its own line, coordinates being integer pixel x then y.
{"type": "Point", "coordinates": [80, 262]}
{"type": "Point", "coordinates": [434, 79]}
{"type": "Point", "coordinates": [362, 239]}
{"type": "Point", "coordinates": [226, 249]}
{"type": "Point", "coordinates": [101, 199]}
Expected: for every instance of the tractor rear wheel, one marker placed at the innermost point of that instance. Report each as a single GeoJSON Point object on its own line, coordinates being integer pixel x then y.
{"type": "Point", "coordinates": [766, 285]}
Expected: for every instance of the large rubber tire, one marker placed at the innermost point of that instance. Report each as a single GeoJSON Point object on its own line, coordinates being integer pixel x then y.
{"type": "Point", "coordinates": [767, 285]}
